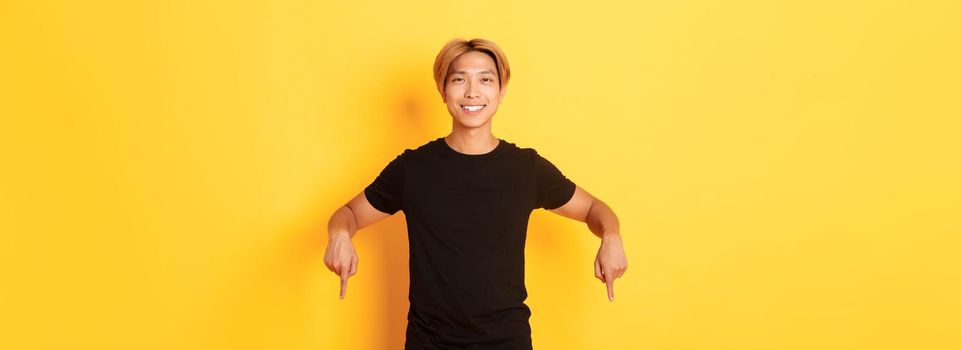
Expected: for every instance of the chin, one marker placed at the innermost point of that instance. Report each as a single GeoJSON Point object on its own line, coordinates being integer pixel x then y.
{"type": "Point", "coordinates": [471, 122]}
{"type": "Point", "coordinates": [470, 125]}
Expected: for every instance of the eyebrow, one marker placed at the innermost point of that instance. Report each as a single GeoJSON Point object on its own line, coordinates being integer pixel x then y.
{"type": "Point", "coordinates": [481, 72]}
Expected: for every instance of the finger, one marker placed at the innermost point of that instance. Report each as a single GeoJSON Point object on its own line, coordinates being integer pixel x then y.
{"type": "Point", "coordinates": [343, 282]}
{"type": "Point", "coordinates": [610, 288]}
{"type": "Point", "coordinates": [353, 266]}
{"type": "Point", "coordinates": [597, 271]}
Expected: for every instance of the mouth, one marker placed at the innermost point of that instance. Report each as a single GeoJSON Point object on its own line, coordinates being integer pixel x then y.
{"type": "Point", "coordinates": [472, 108]}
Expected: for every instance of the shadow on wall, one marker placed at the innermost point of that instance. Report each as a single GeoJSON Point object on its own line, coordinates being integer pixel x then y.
{"type": "Point", "coordinates": [409, 123]}
{"type": "Point", "coordinates": [558, 265]}
{"type": "Point", "coordinates": [284, 269]}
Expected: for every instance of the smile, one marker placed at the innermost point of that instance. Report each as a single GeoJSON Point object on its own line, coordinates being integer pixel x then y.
{"type": "Point", "coordinates": [473, 108]}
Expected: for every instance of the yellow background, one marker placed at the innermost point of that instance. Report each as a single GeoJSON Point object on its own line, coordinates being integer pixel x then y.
{"type": "Point", "coordinates": [785, 173]}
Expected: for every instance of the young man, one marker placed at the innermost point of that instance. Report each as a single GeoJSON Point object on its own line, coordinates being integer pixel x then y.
{"type": "Point", "coordinates": [467, 198]}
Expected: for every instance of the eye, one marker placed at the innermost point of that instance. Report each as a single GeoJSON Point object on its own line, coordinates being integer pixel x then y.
{"type": "Point", "coordinates": [488, 79]}
{"type": "Point", "coordinates": [457, 79]}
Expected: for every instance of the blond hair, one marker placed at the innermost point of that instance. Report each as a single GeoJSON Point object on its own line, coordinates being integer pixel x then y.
{"type": "Point", "coordinates": [457, 47]}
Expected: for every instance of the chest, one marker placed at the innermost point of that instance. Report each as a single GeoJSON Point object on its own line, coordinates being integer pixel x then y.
{"type": "Point", "coordinates": [484, 194]}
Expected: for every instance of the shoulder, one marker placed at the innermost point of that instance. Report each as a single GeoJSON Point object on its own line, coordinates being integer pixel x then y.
{"type": "Point", "coordinates": [417, 151]}
{"type": "Point", "coordinates": [531, 154]}
{"type": "Point", "coordinates": [424, 150]}
{"type": "Point", "coordinates": [519, 151]}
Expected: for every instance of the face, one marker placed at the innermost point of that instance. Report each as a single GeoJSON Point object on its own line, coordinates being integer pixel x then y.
{"type": "Point", "coordinates": [473, 90]}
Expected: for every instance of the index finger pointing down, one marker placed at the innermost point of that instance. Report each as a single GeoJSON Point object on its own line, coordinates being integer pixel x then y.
{"type": "Point", "coordinates": [610, 286]}
{"type": "Point", "coordinates": [343, 282]}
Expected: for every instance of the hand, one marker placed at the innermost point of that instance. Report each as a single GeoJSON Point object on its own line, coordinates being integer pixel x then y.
{"type": "Point", "coordinates": [341, 259]}
{"type": "Point", "coordinates": [610, 262]}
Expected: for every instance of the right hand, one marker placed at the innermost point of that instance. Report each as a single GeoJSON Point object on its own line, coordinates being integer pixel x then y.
{"type": "Point", "coordinates": [341, 259]}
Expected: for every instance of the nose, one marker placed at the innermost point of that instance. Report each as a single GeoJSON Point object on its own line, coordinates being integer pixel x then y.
{"type": "Point", "coordinates": [471, 92]}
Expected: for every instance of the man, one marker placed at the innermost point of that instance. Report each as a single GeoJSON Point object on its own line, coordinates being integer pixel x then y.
{"type": "Point", "coordinates": [467, 198]}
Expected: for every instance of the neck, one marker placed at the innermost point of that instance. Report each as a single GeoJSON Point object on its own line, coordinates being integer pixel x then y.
{"type": "Point", "coordinates": [471, 141]}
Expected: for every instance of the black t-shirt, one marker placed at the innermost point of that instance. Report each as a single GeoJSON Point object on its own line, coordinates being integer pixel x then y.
{"type": "Point", "coordinates": [467, 225]}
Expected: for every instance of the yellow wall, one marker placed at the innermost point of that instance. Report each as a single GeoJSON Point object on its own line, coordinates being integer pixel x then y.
{"type": "Point", "coordinates": [786, 174]}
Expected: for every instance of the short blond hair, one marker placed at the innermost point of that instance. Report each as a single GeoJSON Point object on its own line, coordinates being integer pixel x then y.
{"type": "Point", "coordinates": [456, 47]}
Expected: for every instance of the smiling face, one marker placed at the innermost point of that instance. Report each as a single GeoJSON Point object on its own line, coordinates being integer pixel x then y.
{"type": "Point", "coordinates": [473, 91]}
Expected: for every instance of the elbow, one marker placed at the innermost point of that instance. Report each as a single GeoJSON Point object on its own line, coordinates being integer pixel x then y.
{"type": "Point", "coordinates": [592, 219]}
{"type": "Point", "coordinates": [601, 217]}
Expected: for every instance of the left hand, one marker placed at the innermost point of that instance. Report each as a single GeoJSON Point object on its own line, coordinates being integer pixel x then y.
{"type": "Point", "coordinates": [610, 262]}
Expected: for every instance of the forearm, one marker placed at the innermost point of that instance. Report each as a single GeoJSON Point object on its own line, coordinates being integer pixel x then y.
{"type": "Point", "coordinates": [342, 223]}
{"type": "Point", "coordinates": [602, 221]}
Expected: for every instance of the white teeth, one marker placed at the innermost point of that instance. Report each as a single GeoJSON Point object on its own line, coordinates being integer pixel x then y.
{"type": "Point", "coordinates": [473, 108]}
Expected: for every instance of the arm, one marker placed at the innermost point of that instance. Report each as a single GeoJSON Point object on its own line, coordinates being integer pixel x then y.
{"type": "Point", "coordinates": [584, 207]}
{"type": "Point", "coordinates": [340, 256]}
{"type": "Point", "coordinates": [353, 216]}
{"type": "Point", "coordinates": [611, 262]}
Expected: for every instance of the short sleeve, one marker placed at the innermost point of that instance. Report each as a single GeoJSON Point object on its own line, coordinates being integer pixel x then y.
{"type": "Point", "coordinates": [386, 192]}
{"type": "Point", "coordinates": [553, 188]}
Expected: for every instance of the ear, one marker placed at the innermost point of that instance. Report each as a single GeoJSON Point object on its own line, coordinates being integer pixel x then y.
{"type": "Point", "coordinates": [502, 93]}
